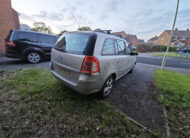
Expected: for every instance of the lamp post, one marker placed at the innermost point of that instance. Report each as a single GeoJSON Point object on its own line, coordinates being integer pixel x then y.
{"type": "Point", "coordinates": [171, 35]}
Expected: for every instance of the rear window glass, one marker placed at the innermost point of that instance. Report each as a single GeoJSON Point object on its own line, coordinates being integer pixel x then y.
{"type": "Point", "coordinates": [46, 39]}
{"type": "Point", "coordinates": [27, 36]}
{"type": "Point", "coordinates": [9, 35]}
{"type": "Point", "coordinates": [74, 43]}
{"type": "Point", "coordinates": [108, 47]}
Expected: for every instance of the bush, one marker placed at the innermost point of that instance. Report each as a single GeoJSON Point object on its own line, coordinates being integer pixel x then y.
{"type": "Point", "coordinates": [154, 48]}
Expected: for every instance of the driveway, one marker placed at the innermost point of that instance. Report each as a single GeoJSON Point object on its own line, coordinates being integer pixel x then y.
{"type": "Point", "coordinates": [135, 95]}
{"type": "Point", "coordinates": [10, 63]}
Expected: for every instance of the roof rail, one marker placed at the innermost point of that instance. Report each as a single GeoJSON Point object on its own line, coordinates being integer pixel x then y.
{"type": "Point", "coordinates": [103, 31]}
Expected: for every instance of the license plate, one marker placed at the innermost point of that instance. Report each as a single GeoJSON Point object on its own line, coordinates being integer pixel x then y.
{"type": "Point", "coordinates": [65, 72]}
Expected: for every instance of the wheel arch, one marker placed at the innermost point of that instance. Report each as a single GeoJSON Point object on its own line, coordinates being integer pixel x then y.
{"type": "Point", "coordinates": [28, 50]}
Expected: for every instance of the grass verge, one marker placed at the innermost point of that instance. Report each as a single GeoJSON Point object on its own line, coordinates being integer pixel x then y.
{"type": "Point", "coordinates": [45, 107]}
{"type": "Point", "coordinates": [174, 90]}
{"type": "Point", "coordinates": [170, 54]}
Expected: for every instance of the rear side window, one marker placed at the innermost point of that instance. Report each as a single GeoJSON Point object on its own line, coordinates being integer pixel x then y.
{"type": "Point", "coordinates": [121, 47]}
{"type": "Point", "coordinates": [46, 39]}
{"type": "Point", "coordinates": [9, 35]}
{"type": "Point", "coordinates": [109, 47]}
{"type": "Point", "coordinates": [76, 43]}
{"type": "Point", "coordinates": [27, 36]}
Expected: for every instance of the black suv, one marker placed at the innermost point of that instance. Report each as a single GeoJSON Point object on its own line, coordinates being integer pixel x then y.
{"type": "Point", "coordinates": [32, 46]}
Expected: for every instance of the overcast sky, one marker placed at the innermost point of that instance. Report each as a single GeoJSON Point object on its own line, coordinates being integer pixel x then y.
{"type": "Point", "coordinates": [145, 18]}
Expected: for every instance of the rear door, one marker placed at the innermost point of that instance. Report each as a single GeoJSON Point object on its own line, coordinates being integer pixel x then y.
{"type": "Point", "coordinates": [108, 60]}
{"type": "Point", "coordinates": [69, 52]}
{"type": "Point", "coordinates": [25, 39]}
{"type": "Point", "coordinates": [122, 58]}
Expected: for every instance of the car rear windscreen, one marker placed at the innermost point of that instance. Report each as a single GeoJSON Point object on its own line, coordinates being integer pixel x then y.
{"type": "Point", "coordinates": [76, 43]}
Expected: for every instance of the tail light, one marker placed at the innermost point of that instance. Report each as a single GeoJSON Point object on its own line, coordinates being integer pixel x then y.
{"type": "Point", "coordinates": [10, 43]}
{"type": "Point", "coordinates": [90, 65]}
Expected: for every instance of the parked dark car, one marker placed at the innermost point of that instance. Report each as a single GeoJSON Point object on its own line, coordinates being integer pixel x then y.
{"type": "Point", "coordinates": [184, 49]}
{"type": "Point", "coordinates": [28, 45]}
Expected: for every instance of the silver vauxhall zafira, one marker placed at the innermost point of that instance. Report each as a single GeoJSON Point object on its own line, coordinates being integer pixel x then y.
{"type": "Point", "coordinates": [91, 61]}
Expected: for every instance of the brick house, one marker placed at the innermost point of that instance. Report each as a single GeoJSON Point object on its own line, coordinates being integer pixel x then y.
{"type": "Point", "coordinates": [132, 39]}
{"type": "Point", "coordinates": [141, 42]}
{"type": "Point", "coordinates": [153, 40]}
{"type": "Point", "coordinates": [8, 20]}
{"type": "Point", "coordinates": [129, 37]}
{"type": "Point", "coordinates": [181, 37]}
{"type": "Point", "coordinates": [121, 34]}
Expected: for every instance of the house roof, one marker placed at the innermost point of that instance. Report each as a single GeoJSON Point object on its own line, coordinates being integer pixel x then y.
{"type": "Point", "coordinates": [153, 38]}
{"type": "Point", "coordinates": [16, 12]}
{"type": "Point", "coordinates": [131, 38]}
{"type": "Point", "coordinates": [120, 34]}
{"type": "Point", "coordinates": [180, 33]}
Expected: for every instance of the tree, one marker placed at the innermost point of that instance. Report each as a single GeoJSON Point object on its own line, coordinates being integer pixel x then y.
{"type": "Point", "coordinates": [62, 32]}
{"type": "Point", "coordinates": [41, 27]}
{"type": "Point", "coordinates": [84, 28]}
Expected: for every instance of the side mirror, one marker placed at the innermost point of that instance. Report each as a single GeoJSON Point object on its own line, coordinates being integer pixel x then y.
{"type": "Point", "coordinates": [134, 53]}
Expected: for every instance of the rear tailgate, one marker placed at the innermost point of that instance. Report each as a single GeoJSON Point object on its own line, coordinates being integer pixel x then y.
{"type": "Point", "coordinates": [67, 65]}
{"type": "Point", "coordinates": [68, 55]}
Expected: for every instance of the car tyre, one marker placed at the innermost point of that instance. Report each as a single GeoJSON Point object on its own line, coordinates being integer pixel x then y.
{"type": "Point", "coordinates": [107, 87]}
{"type": "Point", "coordinates": [33, 57]}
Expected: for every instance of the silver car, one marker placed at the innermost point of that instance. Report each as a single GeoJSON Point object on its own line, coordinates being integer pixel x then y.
{"type": "Point", "coordinates": [91, 61]}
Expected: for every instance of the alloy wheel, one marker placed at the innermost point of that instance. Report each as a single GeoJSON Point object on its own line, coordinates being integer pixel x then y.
{"type": "Point", "coordinates": [108, 86]}
{"type": "Point", "coordinates": [33, 57]}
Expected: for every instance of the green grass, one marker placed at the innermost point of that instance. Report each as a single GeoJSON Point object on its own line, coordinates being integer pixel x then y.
{"type": "Point", "coordinates": [80, 115]}
{"type": "Point", "coordinates": [175, 88]}
{"type": "Point", "coordinates": [170, 54]}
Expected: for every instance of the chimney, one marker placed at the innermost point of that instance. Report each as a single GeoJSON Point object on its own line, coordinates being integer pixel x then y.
{"type": "Point", "coordinates": [176, 29]}
{"type": "Point", "coordinates": [187, 29]}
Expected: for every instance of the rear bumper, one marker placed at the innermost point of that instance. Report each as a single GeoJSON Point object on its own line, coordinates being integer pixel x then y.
{"type": "Point", "coordinates": [86, 84]}
{"type": "Point", "coordinates": [12, 52]}
{"type": "Point", "coordinates": [12, 56]}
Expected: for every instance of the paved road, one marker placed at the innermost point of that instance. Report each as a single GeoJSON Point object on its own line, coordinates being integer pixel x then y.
{"type": "Point", "coordinates": [8, 63]}
{"type": "Point", "coordinates": [157, 60]}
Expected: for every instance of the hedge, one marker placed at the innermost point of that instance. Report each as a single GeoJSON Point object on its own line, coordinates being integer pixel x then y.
{"type": "Point", "coordinates": [154, 48]}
